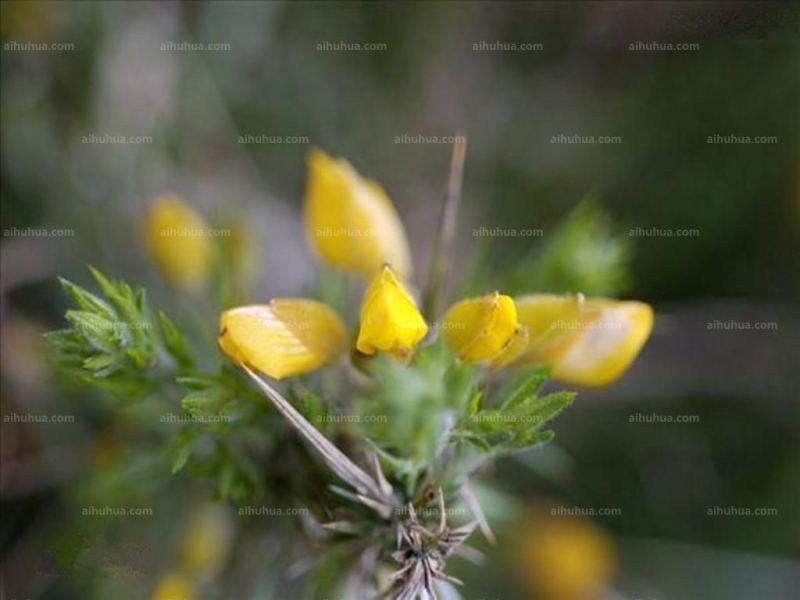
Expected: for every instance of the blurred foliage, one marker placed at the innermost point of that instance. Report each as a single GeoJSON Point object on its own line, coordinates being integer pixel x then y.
{"type": "Point", "coordinates": [742, 198]}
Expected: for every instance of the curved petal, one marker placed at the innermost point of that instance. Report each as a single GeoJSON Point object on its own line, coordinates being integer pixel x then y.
{"type": "Point", "coordinates": [479, 329]}
{"type": "Point", "coordinates": [288, 336]}
{"type": "Point", "coordinates": [513, 348]}
{"type": "Point", "coordinates": [390, 319]}
{"type": "Point", "coordinates": [350, 221]}
{"type": "Point", "coordinates": [589, 342]}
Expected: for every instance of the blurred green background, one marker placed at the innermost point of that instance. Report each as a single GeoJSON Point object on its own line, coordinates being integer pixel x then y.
{"type": "Point", "coordinates": [230, 127]}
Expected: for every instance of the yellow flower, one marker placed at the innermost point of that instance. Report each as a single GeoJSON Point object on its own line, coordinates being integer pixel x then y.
{"type": "Point", "coordinates": [484, 328]}
{"type": "Point", "coordinates": [204, 549]}
{"type": "Point", "coordinates": [350, 221]}
{"type": "Point", "coordinates": [390, 319]}
{"type": "Point", "coordinates": [565, 557]}
{"type": "Point", "coordinates": [175, 585]}
{"type": "Point", "coordinates": [288, 336]}
{"type": "Point", "coordinates": [589, 342]}
{"type": "Point", "coordinates": [175, 237]}
{"type": "Point", "coordinates": [513, 348]}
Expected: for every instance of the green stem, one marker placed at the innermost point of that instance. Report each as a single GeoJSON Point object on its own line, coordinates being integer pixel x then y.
{"type": "Point", "coordinates": [437, 277]}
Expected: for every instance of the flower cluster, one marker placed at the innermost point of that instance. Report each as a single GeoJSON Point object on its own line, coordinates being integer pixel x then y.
{"type": "Point", "coordinates": [401, 429]}
{"type": "Point", "coordinates": [588, 341]}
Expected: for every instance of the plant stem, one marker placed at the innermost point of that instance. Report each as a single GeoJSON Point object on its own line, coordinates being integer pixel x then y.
{"type": "Point", "coordinates": [437, 277]}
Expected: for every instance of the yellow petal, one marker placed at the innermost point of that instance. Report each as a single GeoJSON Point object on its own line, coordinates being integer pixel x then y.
{"type": "Point", "coordinates": [350, 221]}
{"type": "Point", "coordinates": [591, 349]}
{"type": "Point", "coordinates": [390, 319]}
{"type": "Point", "coordinates": [173, 586]}
{"type": "Point", "coordinates": [513, 348]}
{"type": "Point", "coordinates": [565, 557]}
{"type": "Point", "coordinates": [288, 336]}
{"type": "Point", "coordinates": [205, 547]}
{"type": "Point", "coordinates": [480, 329]}
{"type": "Point", "coordinates": [548, 317]}
{"type": "Point", "coordinates": [176, 237]}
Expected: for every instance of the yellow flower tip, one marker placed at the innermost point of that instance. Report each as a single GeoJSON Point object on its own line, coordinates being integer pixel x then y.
{"type": "Point", "coordinates": [175, 236]}
{"type": "Point", "coordinates": [350, 221]}
{"type": "Point", "coordinates": [548, 317]}
{"type": "Point", "coordinates": [174, 585]}
{"type": "Point", "coordinates": [513, 348]}
{"type": "Point", "coordinates": [288, 336]}
{"type": "Point", "coordinates": [565, 557]}
{"type": "Point", "coordinates": [390, 319]}
{"type": "Point", "coordinates": [589, 342]}
{"type": "Point", "coordinates": [484, 328]}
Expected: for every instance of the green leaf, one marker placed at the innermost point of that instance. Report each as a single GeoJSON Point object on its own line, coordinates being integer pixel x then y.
{"type": "Point", "coordinates": [97, 331]}
{"type": "Point", "coordinates": [198, 382]}
{"type": "Point", "coordinates": [182, 447]}
{"type": "Point", "coordinates": [204, 403]}
{"type": "Point", "coordinates": [474, 403]}
{"type": "Point", "coordinates": [541, 410]}
{"type": "Point", "coordinates": [522, 388]}
{"type": "Point", "coordinates": [175, 342]}
{"type": "Point", "coordinates": [476, 440]}
{"type": "Point", "coordinates": [181, 457]}
{"type": "Point", "coordinates": [533, 438]}
{"type": "Point", "coordinates": [112, 343]}
{"type": "Point", "coordinates": [86, 300]}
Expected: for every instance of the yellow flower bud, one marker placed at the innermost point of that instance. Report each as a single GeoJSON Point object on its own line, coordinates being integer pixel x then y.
{"type": "Point", "coordinates": [589, 342]}
{"type": "Point", "coordinates": [175, 585]}
{"type": "Point", "coordinates": [286, 337]}
{"type": "Point", "coordinates": [350, 221]}
{"type": "Point", "coordinates": [513, 348]}
{"type": "Point", "coordinates": [565, 557]}
{"type": "Point", "coordinates": [390, 319]}
{"type": "Point", "coordinates": [481, 329]}
{"type": "Point", "coordinates": [205, 547]}
{"type": "Point", "coordinates": [175, 236]}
